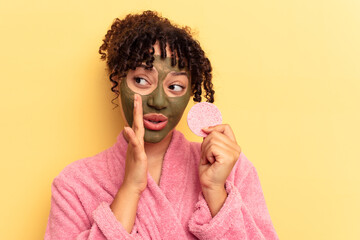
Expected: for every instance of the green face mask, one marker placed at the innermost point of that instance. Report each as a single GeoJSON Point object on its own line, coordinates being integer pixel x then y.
{"type": "Point", "coordinates": [157, 101]}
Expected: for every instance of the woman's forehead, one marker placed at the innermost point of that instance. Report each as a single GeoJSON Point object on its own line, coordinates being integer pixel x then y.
{"type": "Point", "coordinates": [157, 49]}
{"type": "Point", "coordinates": [161, 65]}
{"type": "Point", "coordinates": [164, 64]}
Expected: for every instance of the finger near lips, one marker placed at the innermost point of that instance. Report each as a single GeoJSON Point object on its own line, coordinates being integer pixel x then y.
{"type": "Point", "coordinates": [135, 143]}
{"type": "Point", "coordinates": [138, 123]}
{"type": "Point", "coordinates": [131, 136]}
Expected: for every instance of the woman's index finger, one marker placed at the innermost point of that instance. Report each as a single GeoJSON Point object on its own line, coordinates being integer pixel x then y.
{"type": "Point", "coordinates": [138, 123]}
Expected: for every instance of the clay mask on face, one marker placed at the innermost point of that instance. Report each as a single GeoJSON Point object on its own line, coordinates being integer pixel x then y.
{"type": "Point", "coordinates": [159, 101]}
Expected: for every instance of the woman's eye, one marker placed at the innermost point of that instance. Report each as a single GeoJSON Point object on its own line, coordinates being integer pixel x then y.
{"type": "Point", "coordinates": [176, 88]}
{"type": "Point", "coordinates": [141, 81]}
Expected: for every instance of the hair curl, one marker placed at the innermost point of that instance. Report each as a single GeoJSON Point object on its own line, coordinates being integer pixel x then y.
{"type": "Point", "coordinates": [126, 46]}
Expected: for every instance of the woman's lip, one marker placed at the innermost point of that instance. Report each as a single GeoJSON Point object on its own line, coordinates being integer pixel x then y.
{"type": "Point", "coordinates": [154, 126]}
{"type": "Point", "coordinates": [155, 121]}
{"type": "Point", "coordinates": [155, 117]}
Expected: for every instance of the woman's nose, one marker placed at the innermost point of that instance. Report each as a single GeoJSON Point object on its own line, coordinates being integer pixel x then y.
{"type": "Point", "coordinates": [158, 99]}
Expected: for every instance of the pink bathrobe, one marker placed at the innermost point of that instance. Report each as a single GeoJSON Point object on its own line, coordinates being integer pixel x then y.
{"type": "Point", "coordinates": [174, 209]}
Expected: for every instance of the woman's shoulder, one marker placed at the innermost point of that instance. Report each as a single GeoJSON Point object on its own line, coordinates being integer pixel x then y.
{"type": "Point", "coordinates": [100, 168]}
{"type": "Point", "coordinates": [82, 166]}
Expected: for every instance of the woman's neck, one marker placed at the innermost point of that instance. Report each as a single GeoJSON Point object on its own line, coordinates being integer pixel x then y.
{"type": "Point", "coordinates": [156, 151]}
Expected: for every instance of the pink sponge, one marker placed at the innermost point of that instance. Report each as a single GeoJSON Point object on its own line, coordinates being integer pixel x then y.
{"type": "Point", "coordinates": [203, 115]}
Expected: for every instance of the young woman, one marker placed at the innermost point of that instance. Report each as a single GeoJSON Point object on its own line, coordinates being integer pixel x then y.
{"type": "Point", "coordinates": [153, 183]}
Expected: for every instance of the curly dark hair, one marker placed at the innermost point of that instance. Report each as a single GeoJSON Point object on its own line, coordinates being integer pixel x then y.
{"type": "Point", "coordinates": [129, 43]}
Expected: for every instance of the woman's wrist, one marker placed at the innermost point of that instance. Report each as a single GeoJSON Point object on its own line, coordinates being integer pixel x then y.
{"type": "Point", "coordinates": [125, 205]}
{"type": "Point", "coordinates": [215, 198]}
{"type": "Point", "coordinates": [130, 189]}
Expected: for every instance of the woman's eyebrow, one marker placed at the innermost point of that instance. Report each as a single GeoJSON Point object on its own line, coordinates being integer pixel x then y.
{"type": "Point", "coordinates": [146, 67]}
{"type": "Point", "coordinates": [179, 73]}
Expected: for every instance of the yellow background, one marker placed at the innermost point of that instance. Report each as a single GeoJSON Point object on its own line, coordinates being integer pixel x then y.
{"type": "Point", "coordinates": [286, 75]}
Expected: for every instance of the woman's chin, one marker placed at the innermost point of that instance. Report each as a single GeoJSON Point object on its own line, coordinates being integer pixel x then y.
{"type": "Point", "coordinates": [156, 136]}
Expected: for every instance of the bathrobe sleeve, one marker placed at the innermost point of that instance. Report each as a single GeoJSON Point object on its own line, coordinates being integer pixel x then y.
{"type": "Point", "coordinates": [244, 214]}
{"type": "Point", "coordinates": [68, 219]}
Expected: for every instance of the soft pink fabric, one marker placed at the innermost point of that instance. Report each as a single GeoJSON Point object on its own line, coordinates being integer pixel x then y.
{"type": "Point", "coordinates": [174, 209]}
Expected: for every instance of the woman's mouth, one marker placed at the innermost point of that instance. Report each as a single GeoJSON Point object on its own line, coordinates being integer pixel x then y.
{"type": "Point", "coordinates": [155, 121]}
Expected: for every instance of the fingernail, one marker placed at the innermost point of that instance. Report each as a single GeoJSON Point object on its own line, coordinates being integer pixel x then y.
{"type": "Point", "coordinates": [135, 98]}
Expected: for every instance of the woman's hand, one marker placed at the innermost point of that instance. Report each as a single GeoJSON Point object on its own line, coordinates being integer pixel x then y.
{"type": "Point", "coordinates": [127, 198]}
{"type": "Point", "coordinates": [136, 160]}
{"type": "Point", "coordinates": [219, 153]}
